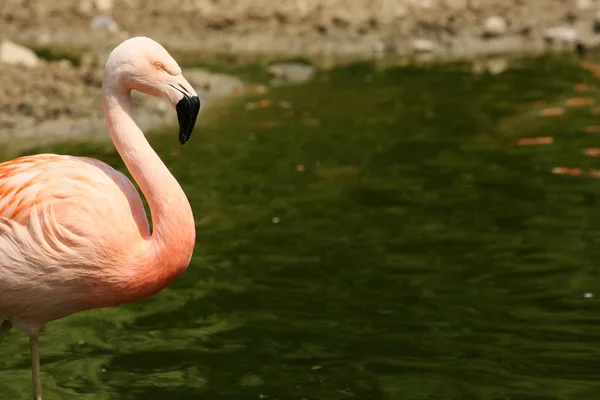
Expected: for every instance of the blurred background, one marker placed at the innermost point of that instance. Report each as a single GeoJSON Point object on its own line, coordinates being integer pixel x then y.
{"type": "Point", "coordinates": [394, 199]}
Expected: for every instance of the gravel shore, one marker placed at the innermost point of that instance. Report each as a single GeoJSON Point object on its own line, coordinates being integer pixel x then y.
{"type": "Point", "coordinates": [65, 97]}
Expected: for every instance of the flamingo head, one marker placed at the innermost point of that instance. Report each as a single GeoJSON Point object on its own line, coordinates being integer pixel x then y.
{"type": "Point", "coordinates": [144, 65]}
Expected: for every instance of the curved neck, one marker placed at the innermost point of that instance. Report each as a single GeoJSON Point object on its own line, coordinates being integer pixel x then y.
{"type": "Point", "coordinates": [173, 234]}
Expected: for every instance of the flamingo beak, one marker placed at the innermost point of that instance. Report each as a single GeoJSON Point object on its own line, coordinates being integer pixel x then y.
{"type": "Point", "coordinates": [187, 112]}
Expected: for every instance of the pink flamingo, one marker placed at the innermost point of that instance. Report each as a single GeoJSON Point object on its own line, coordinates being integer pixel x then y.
{"type": "Point", "coordinates": [73, 231]}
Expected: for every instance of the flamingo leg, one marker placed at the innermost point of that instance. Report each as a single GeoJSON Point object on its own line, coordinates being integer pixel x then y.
{"type": "Point", "coordinates": [35, 367]}
{"type": "Point", "coordinates": [4, 328]}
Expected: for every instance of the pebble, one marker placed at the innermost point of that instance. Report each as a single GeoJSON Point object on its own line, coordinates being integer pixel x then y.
{"type": "Point", "coordinates": [422, 3]}
{"type": "Point", "coordinates": [561, 34]}
{"type": "Point", "coordinates": [12, 53]}
{"type": "Point", "coordinates": [584, 5]}
{"type": "Point", "coordinates": [291, 73]}
{"type": "Point", "coordinates": [400, 11]}
{"type": "Point", "coordinates": [494, 26]}
{"type": "Point", "coordinates": [379, 47]}
{"type": "Point", "coordinates": [423, 46]}
{"type": "Point", "coordinates": [497, 65]}
{"type": "Point", "coordinates": [588, 295]}
{"type": "Point", "coordinates": [456, 4]}
{"type": "Point", "coordinates": [64, 63]}
{"type": "Point", "coordinates": [90, 6]}
{"type": "Point", "coordinates": [104, 6]}
{"type": "Point", "coordinates": [104, 22]}
{"type": "Point", "coordinates": [43, 38]}
{"type": "Point", "coordinates": [275, 220]}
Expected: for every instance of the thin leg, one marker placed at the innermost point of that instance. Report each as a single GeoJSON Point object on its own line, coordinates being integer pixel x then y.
{"type": "Point", "coordinates": [4, 328]}
{"type": "Point", "coordinates": [35, 367]}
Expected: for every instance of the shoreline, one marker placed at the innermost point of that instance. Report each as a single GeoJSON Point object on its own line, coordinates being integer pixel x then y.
{"type": "Point", "coordinates": [215, 88]}
{"type": "Point", "coordinates": [60, 98]}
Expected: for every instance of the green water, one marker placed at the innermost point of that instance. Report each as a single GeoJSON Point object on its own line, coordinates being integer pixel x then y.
{"type": "Point", "coordinates": [420, 254]}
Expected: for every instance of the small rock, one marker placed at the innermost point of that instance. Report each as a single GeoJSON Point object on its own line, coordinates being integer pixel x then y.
{"type": "Point", "coordinates": [400, 11]}
{"type": "Point", "coordinates": [494, 26]}
{"type": "Point", "coordinates": [423, 46]}
{"type": "Point", "coordinates": [379, 47]}
{"type": "Point", "coordinates": [12, 53]}
{"type": "Point", "coordinates": [456, 4]}
{"type": "Point", "coordinates": [561, 34]}
{"type": "Point", "coordinates": [104, 6]}
{"type": "Point", "coordinates": [89, 7]}
{"type": "Point", "coordinates": [291, 74]}
{"type": "Point", "coordinates": [64, 63]}
{"type": "Point", "coordinates": [43, 38]}
{"type": "Point", "coordinates": [104, 22]}
{"type": "Point", "coordinates": [85, 7]}
{"type": "Point", "coordinates": [421, 3]}
{"type": "Point", "coordinates": [275, 220]}
{"type": "Point", "coordinates": [497, 65]}
{"type": "Point", "coordinates": [584, 5]}
{"type": "Point", "coordinates": [588, 295]}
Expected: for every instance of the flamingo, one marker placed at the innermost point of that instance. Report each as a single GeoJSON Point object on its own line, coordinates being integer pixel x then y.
{"type": "Point", "coordinates": [74, 235]}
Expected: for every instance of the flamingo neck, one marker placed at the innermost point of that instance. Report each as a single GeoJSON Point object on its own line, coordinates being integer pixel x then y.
{"type": "Point", "coordinates": [173, 234]}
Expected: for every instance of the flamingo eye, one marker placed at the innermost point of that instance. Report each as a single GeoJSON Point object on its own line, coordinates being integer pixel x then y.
{"type": "Point", "coordinates": [159, 66]}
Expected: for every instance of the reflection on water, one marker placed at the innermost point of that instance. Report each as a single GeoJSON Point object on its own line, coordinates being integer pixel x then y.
{"type": "Point", "coordinates": [376, 234]}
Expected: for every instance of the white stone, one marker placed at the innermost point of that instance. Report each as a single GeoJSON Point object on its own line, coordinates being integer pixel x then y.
{"type": "Point", "coordinates": [104, 6]}
{"type": "Point", "coordinates": [494, 26]}
{"type": "Point", "coordinates": [105, 23]}
{"type": "Point", "coordinates": [86, 6]}
{"type": "Point", "coordinates": [497, 65]}
{"type": "Point", "coordinates": [423, 45]}
{"type": "Point", "coordinates": [422, 3]}
{"type": "Point", "coordinates": [584, 5]}
{"type": "Point", "coordinates": [12, 53]}
{"type": "Point", "coordinates": [456, 4]}
{"type": "Point", "coordinates": [379, 47]}
{"type": "Point", "coordinates": [400, 11]}
{"type": "Point", "coordinates": [43, 38]}
{"type": "Point", "coordinates": [562, 34]}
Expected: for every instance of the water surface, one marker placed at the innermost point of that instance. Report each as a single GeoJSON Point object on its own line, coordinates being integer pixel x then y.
{"type": "Point", "coordinates": [377, 234]}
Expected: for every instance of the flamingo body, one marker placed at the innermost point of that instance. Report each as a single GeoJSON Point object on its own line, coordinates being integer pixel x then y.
{"type": "Point", "coordinates": [73, 234]}
{"type": "Point", "coordinates": [73, 231]}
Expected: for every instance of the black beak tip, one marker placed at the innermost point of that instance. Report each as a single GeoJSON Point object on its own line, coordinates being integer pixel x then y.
{"type": "Point", "coordinates": [187, 113]}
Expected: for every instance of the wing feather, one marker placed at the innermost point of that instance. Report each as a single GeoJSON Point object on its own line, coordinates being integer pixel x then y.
{"type": "Point", "coordinates": [68, 203]}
